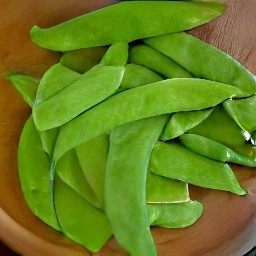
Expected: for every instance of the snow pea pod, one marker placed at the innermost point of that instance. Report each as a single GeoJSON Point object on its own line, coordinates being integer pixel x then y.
{"type": "Point", "coordinates": [69, 170]}
{"type": "Point", "coordinates": [94, 86]}
{"type": "Point", "coordinates": [25, 85]}
{"type": "Point", "coordinates": [178, 215]}
{"type": "Point", "coordinates": [161, 190]}
{"type": "Point", "coordinates": [181, 122]}
{"type": "Point", "coordinates": [83, 59]}
{"type": "Point", "coordinates": [171, 95]}
{"type": "Point", "coordinates": [92, 156]}
{"type": "Point", "coordinates": [156, 61]}
{"type": "Point", "coordinates": [137, 75]}
{"type": "Point", "coordinates": [56, 78]}
{"type": "Point", "coordinates": [243, 111]}
{"type": "Point", "coordinates": [214, 150]}
{"type": "Point", "coordinates": [133, 20]}
{"type": "Point", "coordinates": [78, 219]}
{"type": "Point", "coordinates": [204, 60]}
{"type": "Point", "coordinates": [125, 184]}
{"type": "Point", "coordinates": [34, 177]}
{"type": "Point", "coordinates": [195, 169]}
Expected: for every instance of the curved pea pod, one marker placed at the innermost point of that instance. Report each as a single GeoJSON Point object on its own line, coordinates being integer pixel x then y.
{"type": "Point", "coordinates": [34, 166]}
{"type": "Point", "coordinates": [125, 22]}
{"type": "Point", "coordinates": [79, 220]}
{"type": "Point", "coordinates": [156, 61]}
{"type": "Point", "coordinates": [69, 170]}
{"type": "Point", "coordinates": [48, 139]}
{"type": "Point", "coordinates": [204, 60]}
{"type": "Point", "coordinates": [179, 215]}
{"type": "Point", "coordinates": [161, 190]}
{"type": "Point", "coordinates": [175, 161]}
{"type": "Point", "coordinates": [214, 150]}
{"type": "Point", "coordinates": [168, 96]}
{"type": "Point", "coordinates": [181, 122]}
{"type": "Point", "coordinates": [25, 85]}
{"type": "Point", "coordinates": [82, 60]}
{"type": "Point", "coordinates": [243, 111]}
{"type": "Point", "coordinates": [125, 184]}
{"type": "Point", "coordinates": [137, 75]}
{"type": "Point", "coordinates": [93, 87]}
{"type": "Point", "coordinates": [92, 156]}
{"type": "Point", "coordinates": [116, 55]}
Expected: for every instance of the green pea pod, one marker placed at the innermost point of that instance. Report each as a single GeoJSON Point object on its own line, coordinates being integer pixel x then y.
{"type": "Point", "coordinates": [168, 96]}
{"type": "Point", "coordinates": [48, 139]}
{"type": "Point", "coordinates": [156, 61]}
{"type": "Point", "coordinates": [92, 156]}
{"type": "Point", "coordinates": [181, 122]}
{"type": "Point", "coordinates": [132, 20]}
{"type": "Point", "coordinates": [116, 55]}
{"type": "Point", "coordinates": [137, 75]}
{"type": "Point", "coordinates": [55, 79]}
{"type": "Point", "coordinates": [161, 190]}
{"type": "Point", "coordinates": [69, 170]}
{"type": "Point", "coordinates": [214, 150]}
{"type": "Point", "coordinates": [243, 111]}
{"type": "Point", "coordinates": [195, 169]}
{"type": "Point", "coordinates": [78, 219]}
{"type": "Point", "coordinates": [25, 85]}
{"type": "Point", "coordinates": [174, 215]}
{"type": "Point", "coordinates": [34, 166]}
{"type": "Point", "coordinates": [83, 59]}
{"type": "Point", "coordinates": [125, 184]}
{"type": "Point", "coordinates": [193, 54]}
{"type": "Point", "coordinates": [93, 87]}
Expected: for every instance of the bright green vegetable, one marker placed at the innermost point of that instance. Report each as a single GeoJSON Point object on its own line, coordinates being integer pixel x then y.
{"type": "Point", "coordinates": [181, 122]}
{"type": "Point", "coordinates": [34, 166]}
{"type": "Point", "coordinates": [125, 184]}
{"type": "Point", "coordinates": [94, 86]}
{"type": "Point", "coordinates": [161, 190]}
{"type": "Point", "coordinates": [171, 95]}
{"type": "Point", "coordinates": [214, 150]}
{"type": "Point", "coordinates": [204, 60]}
{"type": "Point", "coordinates": [178, 215]}
{"type": "Point", "coordinates": [79, 220]}
{"type": "Point", "coordinates": [157, 61]}
{"type": "Point", "coordinates": [243, 111]}
{"type": "Point", "coordinates": [125, 22]}
{"type": "Point", "coordinates": [25, 85]}
{"type": "Point", "coordinates": [177, 162]}
{"type": "Point", "coordinates": [83, 59]}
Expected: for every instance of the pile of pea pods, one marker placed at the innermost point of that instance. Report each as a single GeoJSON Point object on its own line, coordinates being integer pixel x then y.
{"type": "Point", "coordinates": [128, 118]}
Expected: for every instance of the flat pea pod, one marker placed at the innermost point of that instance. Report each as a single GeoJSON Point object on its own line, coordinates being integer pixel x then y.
{"type": "Point", "coordinates": [161, 190]}
{"type": "Point", "coordinates": [243, 111]}
{"type": "Point", "coordinates": [179, 215]}
{"type": "Point", "coordinates": [195, 169]}
{"type": "Point", "coordinates": [34, 177]}
{"type": "Point", "coordinates": [94, 86]}
{"type": "Point", "coordinates": [82, 60]}
{"type": "Point", "coordinates": [204, 60]}
{"type": "Point", "coordinates": [214, 150]}
{"type": "Point", "coordinates": [168, 96]}
{"type": "Point", "coordinates": [25, 85]}
{"type": "Point", "coordinates": [78, 219]}
{"type": "Point", "coordinates": [181, 122]}
{"type": "Point", "coordinates": [137, 75]}
{"type": "Point", "coordinates": [92, 156]}
{"type": "Point", "coordinates": [56, 78]}
{"type": "Point", "coordinates": [125, 184]}
{"type": "Point", "coordinates": [69, 170]}
{"type": "Point", "coordinates": [133, 20]}
{"type": "Point", "coordinates": [149, 57]}
{"type": "Point", "coordinates": [116, 55]}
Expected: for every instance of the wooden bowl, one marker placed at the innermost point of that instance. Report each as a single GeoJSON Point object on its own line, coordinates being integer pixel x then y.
{"type": "Point", "coordinates": [228, 225]}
